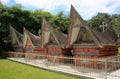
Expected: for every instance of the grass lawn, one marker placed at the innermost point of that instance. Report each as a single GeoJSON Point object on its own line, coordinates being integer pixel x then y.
{"type": "Point", "coordinates": [14, 70]}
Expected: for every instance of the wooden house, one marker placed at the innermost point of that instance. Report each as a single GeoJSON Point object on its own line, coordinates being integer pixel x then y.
{"type": "Point", "coordinates": [87, 42]}
{"type": "Point", "coordinates": [53, 40]}
{"type": "Point", "coordinates": [32, 43]}
{"type": "Point", "coordinates": [16, 40]}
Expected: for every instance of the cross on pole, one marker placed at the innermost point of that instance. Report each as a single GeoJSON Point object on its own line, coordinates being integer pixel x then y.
{"type": "Point", "coordinates": [103, 26]}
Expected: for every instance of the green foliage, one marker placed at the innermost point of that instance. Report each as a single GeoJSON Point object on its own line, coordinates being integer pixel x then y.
{"type": "Point", "coordinates": [113, 21]}
{"type": "Point", "coordinates": [60, 22]}
{"type": "Point", "coordinates": [116, 22]}
{"type": "Point", "coordinates": [13, 70]}
{"type": "Point", "coordinates": [96, 21]}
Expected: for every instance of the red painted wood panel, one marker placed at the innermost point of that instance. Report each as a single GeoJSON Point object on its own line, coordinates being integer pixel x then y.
{"type": "Point", "coordinates": [92, 50]}
{"type": "Point", "coordinates": [58, 49]}
{"type": "Point", "coordinates": [39, 49]}
{"type": "Point", "coordinates": [78, 50]}
{"type": "Point", "coordinates": [109, 50]}
{"type": "Point", "coordinates": [85, 49]}
{"type": "Point", "coordinates": [50, 49]}
{"type": "Point", "coordinates": [28, 43]}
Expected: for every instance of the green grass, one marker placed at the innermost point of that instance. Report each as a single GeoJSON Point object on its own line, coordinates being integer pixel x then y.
{"type": "Point", "coordinates": [14, 70]}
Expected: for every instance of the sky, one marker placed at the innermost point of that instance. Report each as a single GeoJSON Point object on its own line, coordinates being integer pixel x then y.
{"type": "Point", "coordinates": [86, 8]}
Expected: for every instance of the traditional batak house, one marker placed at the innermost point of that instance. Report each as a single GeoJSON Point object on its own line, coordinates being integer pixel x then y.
{"type": "Point", "coordinates": [53, 40]}
{"type": "Point", "coordinates": [86, 42]}
{"type": "Point", "coordinates": [32, 43]}
{"type": "Point", "coordinates": [16, 40]}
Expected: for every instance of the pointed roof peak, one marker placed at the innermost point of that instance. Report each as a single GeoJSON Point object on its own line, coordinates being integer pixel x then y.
{"type": "Point", "coordinates": [75, 15]}
{"type": "Point", "coordinates": [58, 36]}
{"type": "Point", "coordinates": [72, 6]}
{"type": "Point", "coordinates": [46, 24]}
{"type": "Point", "coordinates": [16, 36]}
{"type": "Point", "coordinates": [11, 27]}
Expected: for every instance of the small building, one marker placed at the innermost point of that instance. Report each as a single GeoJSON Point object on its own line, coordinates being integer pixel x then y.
{"type": "Point", "coordinates": [32, 43]}
{"type": "Point", "coordinates": [16, 40]}
{"type": "Point", "coordinates": [53, 40]}
{"type": "Point", "coordinates": [87, 42]}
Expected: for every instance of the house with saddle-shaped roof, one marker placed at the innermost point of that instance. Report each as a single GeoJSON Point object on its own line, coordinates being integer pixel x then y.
{"type": "Point", "coordinates": [32, 43]}
{"type": "Point", "coordinates": [53, 40]}
{"type": "Point", "coordinates": [88, 42]}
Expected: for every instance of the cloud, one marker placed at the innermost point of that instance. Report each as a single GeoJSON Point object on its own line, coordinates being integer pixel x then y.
{"type": "Point", "coordinates": [86, 8]}
{"type": "Point", "coordinates": [4, 1]}
{"type": "Point", "coordinates": [46, 4]}
{"type": "Point", "coordinates": [91, 7]}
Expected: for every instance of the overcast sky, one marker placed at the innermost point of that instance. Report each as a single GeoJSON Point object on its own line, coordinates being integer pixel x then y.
{"type": "Point", "coordinates": [86, 8]}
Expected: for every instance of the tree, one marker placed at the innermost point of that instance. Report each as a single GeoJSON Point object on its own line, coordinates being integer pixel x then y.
{"type": "Point", "coordinates": [116, 22]}
{"type": "Point", "coordinates": [60, 22]}
{"type": "Point", "coordinates": [96, 21]}
{"type": "Point", "coordinates": [3, 28]}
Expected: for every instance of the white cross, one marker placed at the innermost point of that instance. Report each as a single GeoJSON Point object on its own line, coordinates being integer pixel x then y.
{"type": "Point", "coordinates": [103, 26]}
